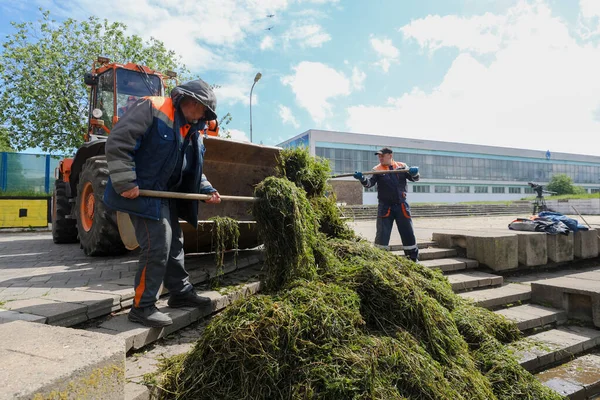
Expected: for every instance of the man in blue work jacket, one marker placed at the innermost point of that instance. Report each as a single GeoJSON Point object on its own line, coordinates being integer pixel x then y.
{"type": "Point", "coordinates": [391, 194]}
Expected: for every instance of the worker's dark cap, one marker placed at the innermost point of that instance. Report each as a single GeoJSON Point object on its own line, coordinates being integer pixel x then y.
{"type": "Point", "coordinates": [384, 150]}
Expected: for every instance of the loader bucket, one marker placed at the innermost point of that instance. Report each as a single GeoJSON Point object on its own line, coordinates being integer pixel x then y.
{"type": "Point", "coordinates": [233, 168]}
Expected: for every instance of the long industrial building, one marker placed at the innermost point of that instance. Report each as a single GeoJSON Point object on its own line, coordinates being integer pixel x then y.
{"type": "Point", "coordinates": [451, 172]}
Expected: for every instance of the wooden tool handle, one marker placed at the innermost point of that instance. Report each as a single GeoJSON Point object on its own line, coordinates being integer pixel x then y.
{"type": "Point", "coordinates": [192, 196]}
{"type": "Point", "coordinates": [391, 171]}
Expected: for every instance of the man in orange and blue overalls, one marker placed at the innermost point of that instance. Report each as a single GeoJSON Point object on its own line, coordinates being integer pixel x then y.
{"type": "Point", "coordinates": [158, 145]}
{"type": "Point", "coordinates": [391, 194]}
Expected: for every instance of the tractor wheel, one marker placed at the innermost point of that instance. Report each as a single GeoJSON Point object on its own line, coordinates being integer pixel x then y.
{"type": "Point", "coordinates": [64, 230]}
{"type": "Point", "coordinates": [97, 225]}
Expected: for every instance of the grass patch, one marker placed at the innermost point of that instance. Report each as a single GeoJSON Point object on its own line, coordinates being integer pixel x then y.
{"type": "Point", "coordinates": [568, 197]}
{"type": "Point", "coordinates": [341, 319]}
{"type": "Point", "coordinates": [24, 193]}
{"type": "Point", "coordinates": [225, 235]}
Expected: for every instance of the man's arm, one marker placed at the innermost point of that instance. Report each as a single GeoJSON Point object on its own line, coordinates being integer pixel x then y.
{"type": "Point", "coordinates": [122, 142]}
{"type": "Point", "coordinates": [370, 182]}
{"type": "Point", "coordinates": [205, 186]}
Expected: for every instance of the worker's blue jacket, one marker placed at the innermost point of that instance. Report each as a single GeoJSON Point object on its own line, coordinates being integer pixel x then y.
{"type": "Point", "coordinates": [153, 147]}
{"type": "Point", "coordinates": [391, 188]}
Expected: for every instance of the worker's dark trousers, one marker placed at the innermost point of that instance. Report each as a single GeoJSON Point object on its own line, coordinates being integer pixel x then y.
{"type": "Point", "coordinates": [386, 215]}
{"type": "Point", "coordinates": [161, 257]}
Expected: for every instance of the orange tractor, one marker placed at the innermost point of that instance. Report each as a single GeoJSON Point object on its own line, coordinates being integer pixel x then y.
{"type": "Point", "coordinates": [78, 212]}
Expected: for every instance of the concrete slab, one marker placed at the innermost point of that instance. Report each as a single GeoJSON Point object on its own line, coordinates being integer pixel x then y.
{"type": "Point", "coordinates": [450, 264]}
{"type": "Point", "coordinates": [577, 294]}
{"type": "Point", "coordinates": [57, 313]}
{"type": "Point", "coordinates": [41, 361]}
{"type": "Point", "coordinates": [565, 388]}
{"type": "Point", "coordinates": [136, 336]}
{"type": "Point", "coordinates": [496, 297]}
{"type": "Point", "coordinates": [421, 244]}
{"type": "Point", "coordinates": [554, 346]}
{"type": "Point", "coordinates": [97, 303]}
{"type": "Point", "coordinates": [560, 247]}
{"type": "Point", "coordinates": [8, 316]}
{"type": "Point", "coordinates": [529, 316]}
{"type": "Point", "coordinates": [586, 244]}
{"type": "Point", "coordinates": [582, 377]}
{"type": "Point", "coordinates": [434, 253]}
{"type": "Point", "coordinates": [533, 248]}
{"type": "Point", "coordinates": [473, 279]}
{"type": "Point", "coordinates": [499, 251]}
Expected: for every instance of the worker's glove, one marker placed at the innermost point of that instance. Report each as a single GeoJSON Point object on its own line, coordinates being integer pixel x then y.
{"type": "Point", "coordinates": [413, 171]}
{"type": "Point", "coordinates": [359, 176]}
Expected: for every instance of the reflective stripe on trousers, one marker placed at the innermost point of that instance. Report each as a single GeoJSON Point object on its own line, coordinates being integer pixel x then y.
{"type": "Point", "coordinates": [386, 215]}
{"type": "Point", "coordinates": [161, 256]}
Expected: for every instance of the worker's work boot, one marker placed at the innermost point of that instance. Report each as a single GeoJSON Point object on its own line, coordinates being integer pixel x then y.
{"type": "Point", "coordinates": [149, 316]}
{"type": "Point", "coordinates": [188, 299]}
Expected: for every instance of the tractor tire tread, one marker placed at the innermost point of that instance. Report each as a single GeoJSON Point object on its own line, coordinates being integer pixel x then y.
{"type": "Point", "coordinates": [64, 230]}
{"type": "Point", "coordinates": [103, 238]}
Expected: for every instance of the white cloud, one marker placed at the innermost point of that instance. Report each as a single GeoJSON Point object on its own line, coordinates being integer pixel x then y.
{"type": "Point", "coordinates": [589, 8]}
{"type": "Point", "coordinates": [203, 33]}
{"type": "Point", "coordinates": [386, 51]}
{"type": "Point", "coordinates": [267, 43]}
{"type": "Point", "coordinates": [309, 35]}
{"type": "Point", "coordinates": [540, 89]}
{"type": "Point", "coordinates": [358, 79]}
{"type": "Point", "coordinates": [480, 33]}
{"type": "Point", "coordinates": [287, 117]}
{"type": "Point", "coordinates": [314, 84]}
{"type": "Point", "coordinates": [238, 135]}
{"type": "Point", "coordinates": [236, 88]}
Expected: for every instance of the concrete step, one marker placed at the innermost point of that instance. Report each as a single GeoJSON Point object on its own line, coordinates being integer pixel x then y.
{"type": "Point", "coordinates": [529, 316]}
{"type": "Point", "coordinates": [420, 245]}
{"type": "Point", "coordinates": [461, 281]}
{"type": "Point", "coordinates": [577, 379]}
{"type": "Point", "coordinates": [434, 253]}
{"type": "Point", "coordinates": [136, 336]}
{"type": "Point", "coordinates": [450, 264]}
{"type": "Point", "coordinates": [578, 294]}
{"type": "Point", "coordinates": [554, 346]}
{"type": "Point", "coordinates": [500, 296]}
{"type": "Point", "coordinates": [49, 362]}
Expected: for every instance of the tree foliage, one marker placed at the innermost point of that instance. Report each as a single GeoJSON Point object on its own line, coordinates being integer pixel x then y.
{"type": "Point", "coordinates": [563, 184]}
{"type": "Point", "coordinates": [5, 140]}
{"type": "Point", "coordinates": [43, 98]}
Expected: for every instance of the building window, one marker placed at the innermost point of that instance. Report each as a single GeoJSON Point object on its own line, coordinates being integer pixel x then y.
{"type": "Point", "coordinates": [442, 189]}
{"type": "Point", "coordinates": [514, 190]}
{"type": "Point", "coordinates": [529, 190]}
{"type": "Point", "coordinates": [498, 189]}
{"type": "Point", "coordinates": [596, 190]}
{"type": "Point", "coordinates": [462, 189]}
{"type": "Point", "coordinates": [481, 189]}
{"type": "Point", "coordinates": [421, 188]}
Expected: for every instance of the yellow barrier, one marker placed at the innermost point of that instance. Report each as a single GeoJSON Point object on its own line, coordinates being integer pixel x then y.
{"type": "Point", "coordinates": [23, 213]}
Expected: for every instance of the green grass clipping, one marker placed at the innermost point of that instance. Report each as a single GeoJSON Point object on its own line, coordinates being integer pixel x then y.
{"type": "Point", "coordinates": [341, 319]}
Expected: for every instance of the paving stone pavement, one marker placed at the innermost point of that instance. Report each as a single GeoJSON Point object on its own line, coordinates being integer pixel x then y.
{"type": "Point", "coordinates": [58, 284]}
{"type": "Point", "coordinates": [33, 266]}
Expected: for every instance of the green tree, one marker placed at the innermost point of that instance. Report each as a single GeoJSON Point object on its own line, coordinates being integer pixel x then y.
{"type": "Point", "coordinates": [43, 97]}
{"type": "Point", "coordinates": [5, 140]}
{"type": "Point", "coordinates": [563, 184]}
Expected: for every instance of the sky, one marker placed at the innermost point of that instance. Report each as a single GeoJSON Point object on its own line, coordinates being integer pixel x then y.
{"type": "Point", "coordinates": [512, 73]}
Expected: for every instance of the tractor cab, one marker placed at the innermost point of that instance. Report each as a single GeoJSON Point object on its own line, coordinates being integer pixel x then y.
{"type": "Point", "coordinates": [115, 88]}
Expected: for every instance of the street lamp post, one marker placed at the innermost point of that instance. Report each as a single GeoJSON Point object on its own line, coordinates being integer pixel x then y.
{"type": "Point", "coordinates": [256, 79]}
